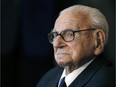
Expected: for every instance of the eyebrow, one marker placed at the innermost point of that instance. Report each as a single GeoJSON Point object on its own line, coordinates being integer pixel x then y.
{"type": "Point", "coordinates": [74, 29]}
{"type": "Point", "coordinates": [53, 30]}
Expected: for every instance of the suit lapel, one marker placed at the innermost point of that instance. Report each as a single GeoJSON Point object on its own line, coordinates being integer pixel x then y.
{"type": "Point", "coordinates": [87, 74]}
{"type": "Point", "coordinates": [54, 82]}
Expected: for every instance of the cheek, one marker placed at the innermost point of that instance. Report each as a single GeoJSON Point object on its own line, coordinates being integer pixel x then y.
{"type": "Point", "coordinates": [76, 53]}
{"type": "Point", "coordinates": [80, 51]}
{"type": "Point", "coordinates": [89, 46]}
{"type": "Point", "coordinates": [55, 51]}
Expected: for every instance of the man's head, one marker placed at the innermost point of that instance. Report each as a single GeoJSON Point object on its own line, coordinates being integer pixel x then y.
{"type": "Point", "coordinates": [80, 34]}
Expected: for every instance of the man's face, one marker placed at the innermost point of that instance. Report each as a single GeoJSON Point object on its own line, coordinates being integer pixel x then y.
{"type": "Point", "coordinates": [77, 51]}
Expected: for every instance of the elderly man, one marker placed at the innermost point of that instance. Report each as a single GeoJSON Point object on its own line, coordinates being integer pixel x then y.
{"type": "Point", "coordinates": [79, 36]}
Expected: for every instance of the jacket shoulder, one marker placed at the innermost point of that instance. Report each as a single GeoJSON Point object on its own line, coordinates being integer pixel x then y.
{"type": "Point", "coordinates": [104, 75]}
{"type": "Point", "coordinates": [51, 75]}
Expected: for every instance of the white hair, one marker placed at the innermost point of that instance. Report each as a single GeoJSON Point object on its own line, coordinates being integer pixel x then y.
{"type": "Point", "coordinates": [98, 19]}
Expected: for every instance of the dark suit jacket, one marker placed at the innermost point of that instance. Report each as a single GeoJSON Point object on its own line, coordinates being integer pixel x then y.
{"type": "Point", "coordinates": [98, 74]}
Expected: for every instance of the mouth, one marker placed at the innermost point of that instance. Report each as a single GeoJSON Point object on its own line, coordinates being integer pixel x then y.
{"type": "Point", "coordinates": [62, 54]}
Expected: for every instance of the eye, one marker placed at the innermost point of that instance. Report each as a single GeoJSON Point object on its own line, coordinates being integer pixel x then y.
{"type": "Point", "coordinates": [68, 34]}
{"type": "Point", "coordinates": [54, 34]}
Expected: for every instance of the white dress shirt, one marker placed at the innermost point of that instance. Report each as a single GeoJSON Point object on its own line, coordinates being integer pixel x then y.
{"type": "Point", "coordinates": [70, 77]}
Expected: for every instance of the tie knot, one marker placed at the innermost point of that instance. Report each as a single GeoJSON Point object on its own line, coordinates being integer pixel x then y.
{"type": "Point", "coordinates": [62, 82]}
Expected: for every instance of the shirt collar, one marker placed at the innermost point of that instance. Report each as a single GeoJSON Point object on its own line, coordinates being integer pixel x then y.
{"type": "Point", "coordinates": [70, 77]}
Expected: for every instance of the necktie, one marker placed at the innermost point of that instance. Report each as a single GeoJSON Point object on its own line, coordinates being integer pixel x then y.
{"type": "Point", "coordinates": [62, 83]}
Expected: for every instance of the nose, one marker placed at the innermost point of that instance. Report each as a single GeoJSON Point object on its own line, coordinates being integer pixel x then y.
{"type": "Point", "coordinates": [58, 42]}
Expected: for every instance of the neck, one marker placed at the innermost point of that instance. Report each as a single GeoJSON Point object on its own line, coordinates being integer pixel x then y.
{"type": "Point", "coordinates": [75, 66]}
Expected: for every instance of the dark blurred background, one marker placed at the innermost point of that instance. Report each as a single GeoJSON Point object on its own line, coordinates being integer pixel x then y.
{"type": "Point", "coordinates": [26, 53]}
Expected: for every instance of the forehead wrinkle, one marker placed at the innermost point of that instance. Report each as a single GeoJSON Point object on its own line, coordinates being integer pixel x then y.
{"type": "Point", "coordinates": [84, 19]}
{"type": "Point", "coordinates": [79, 20]}
{"type": "Point", "coordinates": [70, 21]}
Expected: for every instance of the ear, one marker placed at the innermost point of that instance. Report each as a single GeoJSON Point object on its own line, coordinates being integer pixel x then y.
{"type": "Point", "coordinates": [99, 41]}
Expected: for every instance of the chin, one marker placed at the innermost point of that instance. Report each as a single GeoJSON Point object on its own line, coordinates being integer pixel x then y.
{"type": "Point", "coordinates": [62, 64]}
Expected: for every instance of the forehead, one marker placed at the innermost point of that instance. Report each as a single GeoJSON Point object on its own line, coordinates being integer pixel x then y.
{"type": "Point", "coordinates": [71, 20]}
